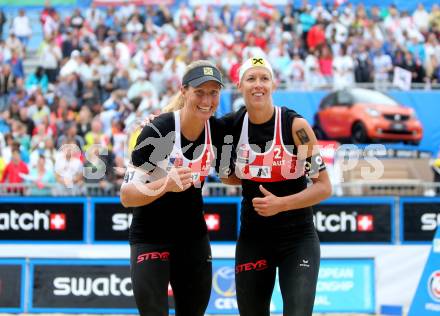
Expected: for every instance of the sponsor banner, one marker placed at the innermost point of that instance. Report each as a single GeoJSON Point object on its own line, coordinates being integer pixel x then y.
{"type": "Point", "coordinates": [419, 218]}
{"type": "Point", "coordinates": [426, 300]}
{"type": "Point", "coordinates": [83, 286]}
{"type": "Point", "coordinates": [223, 295]}
{"type": "Point", "coordinates": [352, 220]}
{"type": "Point", "coordinates": [104, 286]}
{"type": "Point", "coordinates": [344, 285]}
{"type": "Point", "coordinates": [111, 221]}
{"type": "Point", "coordinates": [12, 277]}
{"type": "Point", "coordinates": [42, 220]}
{"type": "Point", "coordinates": [222, 217]}
{"type": "Point", "coordinates": [80, 285]}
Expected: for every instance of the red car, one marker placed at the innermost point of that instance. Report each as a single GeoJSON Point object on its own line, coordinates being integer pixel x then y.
{"type": "Point", "coordinates": [363, 116]}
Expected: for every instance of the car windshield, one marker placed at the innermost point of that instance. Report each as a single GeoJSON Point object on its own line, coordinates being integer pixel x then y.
{"type": "Point", "coordinates": [372, 97]}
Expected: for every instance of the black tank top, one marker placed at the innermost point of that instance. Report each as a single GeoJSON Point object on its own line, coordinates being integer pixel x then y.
{"type": "Point", "coordinates": [174, 216]}
{"type": "Point", "coordinates": [260, 138]}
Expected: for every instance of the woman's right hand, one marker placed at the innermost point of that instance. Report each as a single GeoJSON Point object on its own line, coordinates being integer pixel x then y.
{"type": "Point", "coordinates": [179, 179]}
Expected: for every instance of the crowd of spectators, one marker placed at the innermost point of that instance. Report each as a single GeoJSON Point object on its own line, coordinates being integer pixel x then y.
{"type": "Point", "coordinates": [102, 69]}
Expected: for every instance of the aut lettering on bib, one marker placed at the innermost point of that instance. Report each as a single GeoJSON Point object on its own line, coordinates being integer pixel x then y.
{"type": "Point", "coordinates": [200, 165]}
{"type": "Point", "coordinates": [276, 164]}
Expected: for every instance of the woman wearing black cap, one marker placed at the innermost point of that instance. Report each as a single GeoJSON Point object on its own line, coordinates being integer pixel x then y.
{"type": "Point", "coordinates": [168, 234]}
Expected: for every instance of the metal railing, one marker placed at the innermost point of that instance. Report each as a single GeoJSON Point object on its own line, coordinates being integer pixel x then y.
{"type": "Point", "coordinates": [353, 188]}
{"type": "Point", "coordinates": [55, 189]}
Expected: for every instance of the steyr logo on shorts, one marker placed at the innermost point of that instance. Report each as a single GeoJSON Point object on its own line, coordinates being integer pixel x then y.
{"type": "Point", "coordinates": [163, 256]}
{"type": "Point", "coordinates": [250, 266]}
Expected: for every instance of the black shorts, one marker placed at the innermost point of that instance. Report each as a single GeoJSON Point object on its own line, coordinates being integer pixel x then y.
{"type": "Point", "coordinates": [187, 266]}
{"type": "Point", "coordinates": [297, 258]}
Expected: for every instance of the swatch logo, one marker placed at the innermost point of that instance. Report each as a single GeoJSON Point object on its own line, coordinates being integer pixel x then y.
{"type": "Point", "coordinates": [32, 221]}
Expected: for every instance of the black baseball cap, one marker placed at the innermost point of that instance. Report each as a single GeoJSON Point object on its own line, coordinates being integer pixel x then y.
{"type": "Point", "coordinates": [201, 74]}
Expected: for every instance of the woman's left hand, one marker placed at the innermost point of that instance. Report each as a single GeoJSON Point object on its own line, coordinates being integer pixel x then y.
{"type": "Point", "coordinates": [268, 205]}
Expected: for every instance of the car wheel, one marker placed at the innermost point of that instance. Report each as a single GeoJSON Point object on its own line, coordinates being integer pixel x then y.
{"type": "Point", "coordinates": [359, 133]}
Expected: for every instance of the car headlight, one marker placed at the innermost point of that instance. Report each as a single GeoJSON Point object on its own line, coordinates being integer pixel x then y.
{"type": "Point", "coordinates": [372, 112]}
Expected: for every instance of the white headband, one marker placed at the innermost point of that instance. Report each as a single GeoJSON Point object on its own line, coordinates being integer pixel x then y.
{"type": "Point", "coordinates": [254, 62]}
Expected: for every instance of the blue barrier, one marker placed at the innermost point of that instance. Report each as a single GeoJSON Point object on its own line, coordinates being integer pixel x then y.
{"type": "Point", "coordinates": [347, 220]}
{"type": "Point", "coordinates": [419, 218]}
{"type": "Point", "coordinates": [344, 285]}
{"type": "Point", "coordinates": [12, 285]}
{"type": "Point", "coordinates": [43, 220]}
{"type": "Point", "coordinates": [104, 286]}
{"type": "Point", "coordinates": [50, 220]}
{"type": "Point", "coordinates": [80, 286]}
{"type": "Point", "coordinates": [110, 221]}
{"type": "Point", "coordinates": [338, 220]}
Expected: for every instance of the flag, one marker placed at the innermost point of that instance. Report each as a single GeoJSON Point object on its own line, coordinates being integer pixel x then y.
{"type": "Point", "coordinates": [402, 78]}
{"type": "Point", "coordinates": [266, 9]}
{"type": "Point", "coordinates": [339, 2]}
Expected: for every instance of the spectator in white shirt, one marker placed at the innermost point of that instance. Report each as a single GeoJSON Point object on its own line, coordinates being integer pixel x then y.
{"type": "Point", "coordinates": [69, 169]}
{"type": "Point", "coordinates": [421, 18]}
{"type": "Point", "coordinates": [341, 31]}
{"type": "Point", "coordinates": [319, 11]}
{"type": "Point", "coordinates": [71, 66]}
{"type": "Point", "coordinates": [295, 73]}
{"type": "Point", "coordinates": [94, 16]}
{"type": "Point", "coordinates": [343, 70]}
{"type": "Point", "coordinates": [312, 74]}
{"type": "Point", "coordinates": [183, 16]}
{"type": "Point", "coordinates": [5, 52]}
{"type": "Point", "coordinates": [134, 26]}
{"type": "Point", "coordinates": [39, 110]}
{"type": "Point", "coordinates": [382, 65]}
{"type": "Point", "coordinates": [242, 17]}
{"type": "Point", "coordinates": [21, 27]}
{"type": "Point", "coordinates": [14, 44]}
{"type": "Point", "coordinates": [50, 58]}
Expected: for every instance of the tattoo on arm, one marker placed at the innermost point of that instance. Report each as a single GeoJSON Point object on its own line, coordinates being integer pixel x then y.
{"type": "Point", "coordinates": [302, 135]}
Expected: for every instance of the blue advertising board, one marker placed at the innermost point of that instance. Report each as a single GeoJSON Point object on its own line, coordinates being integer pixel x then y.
{"type": "Point", "coordinates": [419, 219]}
{"type": "Point", "coordinates": [110, 221]}
{"type": "Point", "coordinates": [426, 301]}
{"type": "Point", "coordinates": [343, 220]}
{"type": "Point", "coordinates": [104, 286]}
{"type": "Point", "coordinates": [223, 296]}
{"type": "Point", "coordinates": [80, 286]}
{"type": "Point", "coordinates": [344, 285]}
{"type": "Point", "coordinates": [45, 220]}
{"type": "Point", "coordinates": [12, 285]}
